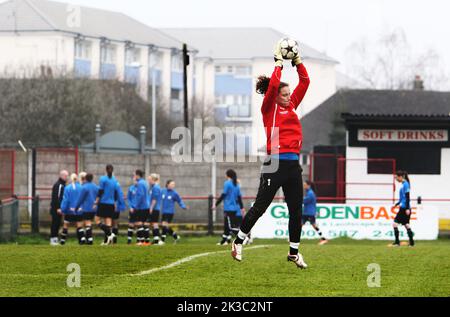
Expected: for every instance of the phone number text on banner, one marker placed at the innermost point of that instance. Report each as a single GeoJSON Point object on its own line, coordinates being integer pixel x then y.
{"type": "Point", "coordinates": [359, 222]}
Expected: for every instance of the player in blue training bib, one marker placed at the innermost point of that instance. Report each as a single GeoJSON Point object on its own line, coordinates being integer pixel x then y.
{"type": "Point", "coordinates": [120, 208]}
{"type": "Point", "coordinates": [310, 209]}
{"type": "Point", "coordinates": [69, 208]}
{"type": "Point", "coordinates": [404, 214]}
{"type": "Point", "coordinates": [155, 206]}
{"type": "Point", "coordinates": [131, 198]}
{"type": "Point", "coordinates": [169, 197]}
{"type": "Point", "coordinates": [86, 204]}
{"type": "Point", "coordinates": [232, 201]}
{"type": "Point", "coordinates": [142, 208]}
{"type": "Point", "coordinates": [106, 200]}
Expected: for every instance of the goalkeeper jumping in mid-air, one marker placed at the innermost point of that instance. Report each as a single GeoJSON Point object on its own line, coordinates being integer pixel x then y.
{"type": "Point", "coordinates": [284, 142]}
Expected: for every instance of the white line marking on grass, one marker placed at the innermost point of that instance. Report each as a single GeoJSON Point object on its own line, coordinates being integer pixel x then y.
{"type": "Point", "coordinates": [188, 259]}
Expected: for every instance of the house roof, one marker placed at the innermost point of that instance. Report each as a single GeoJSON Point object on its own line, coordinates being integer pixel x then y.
{"type": "Point", "coordinates": [375, 104]}
{"type": "Point", "coordinates": [43, 15]}
{"type": "Point", "coordinates": [238, 43]}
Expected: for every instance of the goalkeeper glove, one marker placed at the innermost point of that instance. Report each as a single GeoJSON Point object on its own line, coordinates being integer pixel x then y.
{"type": "Point", "coordinates": [278, 56]}
{"type": "Point", "coordinates": [297, 60]}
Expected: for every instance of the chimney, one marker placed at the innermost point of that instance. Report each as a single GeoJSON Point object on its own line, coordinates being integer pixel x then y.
{"type": "Point", "coordinates": [418, 83]}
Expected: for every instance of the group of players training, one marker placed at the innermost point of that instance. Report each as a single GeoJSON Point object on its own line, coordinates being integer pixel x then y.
{"type": "Point", "coordinates": [78, 200]}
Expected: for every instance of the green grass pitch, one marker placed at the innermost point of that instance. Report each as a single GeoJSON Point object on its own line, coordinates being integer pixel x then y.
{"type": "Point", "coordinates": [337, 269]}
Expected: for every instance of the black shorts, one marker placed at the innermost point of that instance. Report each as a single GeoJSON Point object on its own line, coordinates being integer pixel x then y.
{"type": "Point", "coordinates": [167, 218]}
{"type": "Point", "coordinates": [153, 217]}
{"type": "Point", "coordinates": [73, 218]}
{"type": "Point", "coordinates": [402, 218]}
{"type": "Point", "coordinates": [132, 217]}
{"type": "Point", "coordinates": [231, 219]}
{"type": "Point", "coordinates": [105, 211]}
{"type": "Point", "coordinates": [116, 216]}
{"type": "Point", "coordinates": [310, 219]}
{"type": "Point", "coordinates": [141, 215]}
{"type": "Point", "coordinates": [88, 216]}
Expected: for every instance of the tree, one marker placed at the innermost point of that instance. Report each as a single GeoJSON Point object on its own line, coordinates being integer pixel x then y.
{"type": "Point", "coordinates": [63, 111]}
{"type": "Point", "coordinates": [43, 110]}
{"type": "Point", "coordinates": [389, 63]}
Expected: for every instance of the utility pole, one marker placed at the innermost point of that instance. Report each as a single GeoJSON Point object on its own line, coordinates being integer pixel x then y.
{"type": "Point", "coordinates": [186, 62]}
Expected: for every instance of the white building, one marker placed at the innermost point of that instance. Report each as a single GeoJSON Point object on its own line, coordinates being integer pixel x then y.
{"type": "Point", "coordinates": [229, 62]}
{"type": "Point", "coordinates": [44, 36]}
{"type": "Point", "coordinates": [381, 131]}
{"type": "Point", "coordinates": [37, 35]}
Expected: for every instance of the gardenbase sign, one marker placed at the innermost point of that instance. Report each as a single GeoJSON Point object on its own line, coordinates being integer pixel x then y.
{"type": "Point", "coordinates": [359, 222]}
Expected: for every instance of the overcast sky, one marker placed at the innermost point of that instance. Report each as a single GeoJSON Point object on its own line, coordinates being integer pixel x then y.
{"type": "Point", "coordinates": [327, 25]}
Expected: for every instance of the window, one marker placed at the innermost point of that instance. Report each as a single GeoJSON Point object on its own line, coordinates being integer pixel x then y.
{"type": "Point", "coordinates": [218, 100]}
{"type": "Point", "coordinates": [150, 94]}
{"type": "Point", "coordinates": [175, 94]}
{"type": "Point", "coordinates": [239, 111]}
{"type": "Point", "coordinates": [230, 69]}
{"type": "Point", "coordinates": [82, 50]}
{"type": "Point", "coordinates": [108, 54]}
{"type": "Point", "coordinates": [218, 69]}
{"type": "Point", "coordinates": [229, 100]}
{"type": "Point", "coordinates": [421, 160]}
{"type": "Point", "coordinates": [177, 62]}
{"type": "Point", "coordinates": [132, 56]}
{"type": "Point", "coordinates": [247, 100]}
{"type": "Point", "coordinates": [155, 59]}
{"type": "Point", "coordinates": [243, 71]}
{"type": "Point", "coordinates": [233, 111]}
{"type": "Point", "coordinates": [244, 111]}
{"type": "Point", "coordinates": [238, 105]}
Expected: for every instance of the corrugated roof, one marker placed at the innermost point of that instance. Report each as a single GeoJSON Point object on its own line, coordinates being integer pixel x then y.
{"type": "Point", "coordinates": [320, 123]}
{"type": "Point", "coordinates": [43, 15]}
{"type": "Point", "coordinates": [238, 43]}
{"type": "Point", "coordinates": [395, 116]}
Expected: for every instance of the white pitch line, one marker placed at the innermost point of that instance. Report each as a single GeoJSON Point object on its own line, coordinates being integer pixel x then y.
{"type": "Point", "coordinates": [188, 259]}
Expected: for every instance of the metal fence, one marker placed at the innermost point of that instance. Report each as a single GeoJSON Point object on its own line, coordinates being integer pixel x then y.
{"type": "Point", "coordinates": [338, 179]}
{"type": "Point", "coordinates": [9, 220]}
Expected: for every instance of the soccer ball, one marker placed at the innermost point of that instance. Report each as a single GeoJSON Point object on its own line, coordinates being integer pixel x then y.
{"type": "Point", "coordinates": [289, 48]}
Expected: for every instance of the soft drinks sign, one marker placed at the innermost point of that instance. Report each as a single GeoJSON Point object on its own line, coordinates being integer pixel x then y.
{"type": "Point", "coordinates": [379, 135]}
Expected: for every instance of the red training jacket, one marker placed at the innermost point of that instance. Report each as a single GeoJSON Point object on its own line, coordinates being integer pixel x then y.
{"type": "Point", "coordinates": [282, 124]}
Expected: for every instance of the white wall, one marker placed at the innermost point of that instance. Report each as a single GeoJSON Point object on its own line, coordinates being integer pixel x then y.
{"type": "Point", "coordinates": [166, 76]}
{"type": "Point", "coordinates": [322, 87]}
{"type": "Point", "coordinates": [22, 54]}
{"type": "Point", "coordinates": [205, 81]}
{"type": "Point", "coordinates": [425, 186]}
{"type": "Point", "coordinates": [356, 172]}
{"type": "Point", "coordinates": [95, 58]}
{"type": "Point", "coordinates": [143, 72]}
